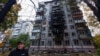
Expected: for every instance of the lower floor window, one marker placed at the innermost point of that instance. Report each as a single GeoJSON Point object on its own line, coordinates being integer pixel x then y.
{"type": "Point", "coordinates": [67, 42]}
{"type": "Point", "coordinates": [87, 42]}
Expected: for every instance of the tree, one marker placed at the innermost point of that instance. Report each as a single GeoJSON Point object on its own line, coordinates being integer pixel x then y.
{"type": "Point", "coordinates": [10, 18]}
{"type": "Point", "coordinates": [4, 1]}
{"type": "Point", "coordinates": [13, 42]}
{"type": "Point", "coordinates": [96, 40]}
{"type": "Point", "coordinates": [22, 37]}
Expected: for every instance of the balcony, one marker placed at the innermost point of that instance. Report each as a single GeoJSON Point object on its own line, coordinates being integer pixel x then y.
{"type": "Point", "coordinates": [38, 18]}
{"type": "Point", "coordinates": [57, 13]}
{"type": "Point", "coordinates": [74, 7]}
{"type": "Point", "coordinates": [79, 21]}
{"type": "Point", "coordinates": [78, 15]}
{"type": "Point", "coordinates": [15, 33]}
{"type": "Point", "coordinates": [33, 37]}
{"type": "Point", "coordinates": [80, 28]}
{"type": "Point", "coordinates": [37, 30]}
{"type": "Point", "coordinates": [57, 17]}
{"type": "Point", "coordinates": [37, 22]}
{"type": "Point", "coordinates": [89, 46]}
{"type": "Point", "coordinates": [18, 26]}
{"type": "Point", "coordinates": [77, 12]}
{"type": "Point", "coordinates": [56, 6]}
{"type": "Point", "coordinates": [57, 22]}
{"type": "Point", "coordinates": [40, 13]}
{"type": "Point", "coordinates": [83, 36]}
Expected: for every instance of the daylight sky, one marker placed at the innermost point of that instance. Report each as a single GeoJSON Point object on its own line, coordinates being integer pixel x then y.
{"type": "Point", "coordinates": [28, 11]}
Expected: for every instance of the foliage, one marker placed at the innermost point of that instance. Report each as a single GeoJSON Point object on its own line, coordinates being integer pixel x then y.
{"type": "Point", "coordinates": [8, 33]}
{"type": "Point", "coordinates": [10, 18]}
{"type": "Point", "coordinates": [96, 40]}
{"type": "Point", "coordinates": [4, 1]}
{"type": "Point", "coordinates": [13, 42]}
{"type": "Point", "coordinates": [22, 37]}
{"type": "Point", "coordinates": [72, 2]}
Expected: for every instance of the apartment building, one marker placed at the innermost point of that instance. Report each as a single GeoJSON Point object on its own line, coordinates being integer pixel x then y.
{"type": "Point", "coordinates": [24, 27]}
{"type": "Point", "coordinates": [60, 27]}
{"type": "Point", "coordinates": [26, 16]}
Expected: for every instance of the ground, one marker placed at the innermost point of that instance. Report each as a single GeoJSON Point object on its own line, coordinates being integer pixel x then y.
{"type": "Point", "coordinates": [74, 54]}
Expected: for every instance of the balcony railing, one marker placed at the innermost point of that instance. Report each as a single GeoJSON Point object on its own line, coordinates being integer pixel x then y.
{"type": "Point", "coordinates": [33, 37]}
{"type": "Point", "coordinates": [83, 36]}
{"type": "Point", "coordinates": [80, 28]}
{"type": "Point", "coordinates": [79, 21]}
{"type": "Point", "coordinates": [37, 30]}
{"type": "Point", "coordinates": [80, 15]}
{"type": "Point", "coordinates": [77, 12]}
{"type": "Point", "coordinates": [57, 13]}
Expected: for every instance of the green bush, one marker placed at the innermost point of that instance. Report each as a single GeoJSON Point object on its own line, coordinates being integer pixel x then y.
{"type": "Point", "coordinates": [22, 37]}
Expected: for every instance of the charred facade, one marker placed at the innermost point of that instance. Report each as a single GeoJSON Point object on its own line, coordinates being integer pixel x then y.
{"type": "Point", "coordinates": [57, 23]}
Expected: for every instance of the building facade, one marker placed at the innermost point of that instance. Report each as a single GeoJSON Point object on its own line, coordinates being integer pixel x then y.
{"type": "Point", "coordinates": [26, 16]}
{"type": "Point", "coordinates": [24, 27]}
{"type": "Point", "coordinates": [60, 27]}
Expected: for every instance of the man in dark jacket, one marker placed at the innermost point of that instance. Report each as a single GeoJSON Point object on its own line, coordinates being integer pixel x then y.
{"type": "Point", "coordinates": [20, 50]}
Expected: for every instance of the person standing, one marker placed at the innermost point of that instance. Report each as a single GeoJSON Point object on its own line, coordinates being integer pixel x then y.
{"type": "Point", "coordinates": [20, 50]}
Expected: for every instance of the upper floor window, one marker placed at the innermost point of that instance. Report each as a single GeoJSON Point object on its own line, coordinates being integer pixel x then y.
{"type": "Point", "coordinates": [76, 42]}
{"type": "Point", "coordinates": [70, 21]}
{"type": "Point", "coordinates": [43, 35]}
{"type": "Point", "coordinates": [68, 9]}
{"type": "Point", "coordinates": [34, 34]}
{"type": "Point", "coordinates": [69, 15]}
{"type": "Point", "coordinates": [73, 34]}
{"type": "Point", "coordinates": [49, 34]}
{"type": "Point", "coordinates": [44, 23]}
{"type": "Point", "coordinates": [71, 26]}
{"type": "Point", "coordinates": [82, 32]}
{"type": "Point", "coordinates": [66, 34]}
{"type": "Point", "coordinates": [43, 28]}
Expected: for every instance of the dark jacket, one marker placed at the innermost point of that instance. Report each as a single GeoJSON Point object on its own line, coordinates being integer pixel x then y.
{"type": "Point", "coordinates": [18, 52]}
